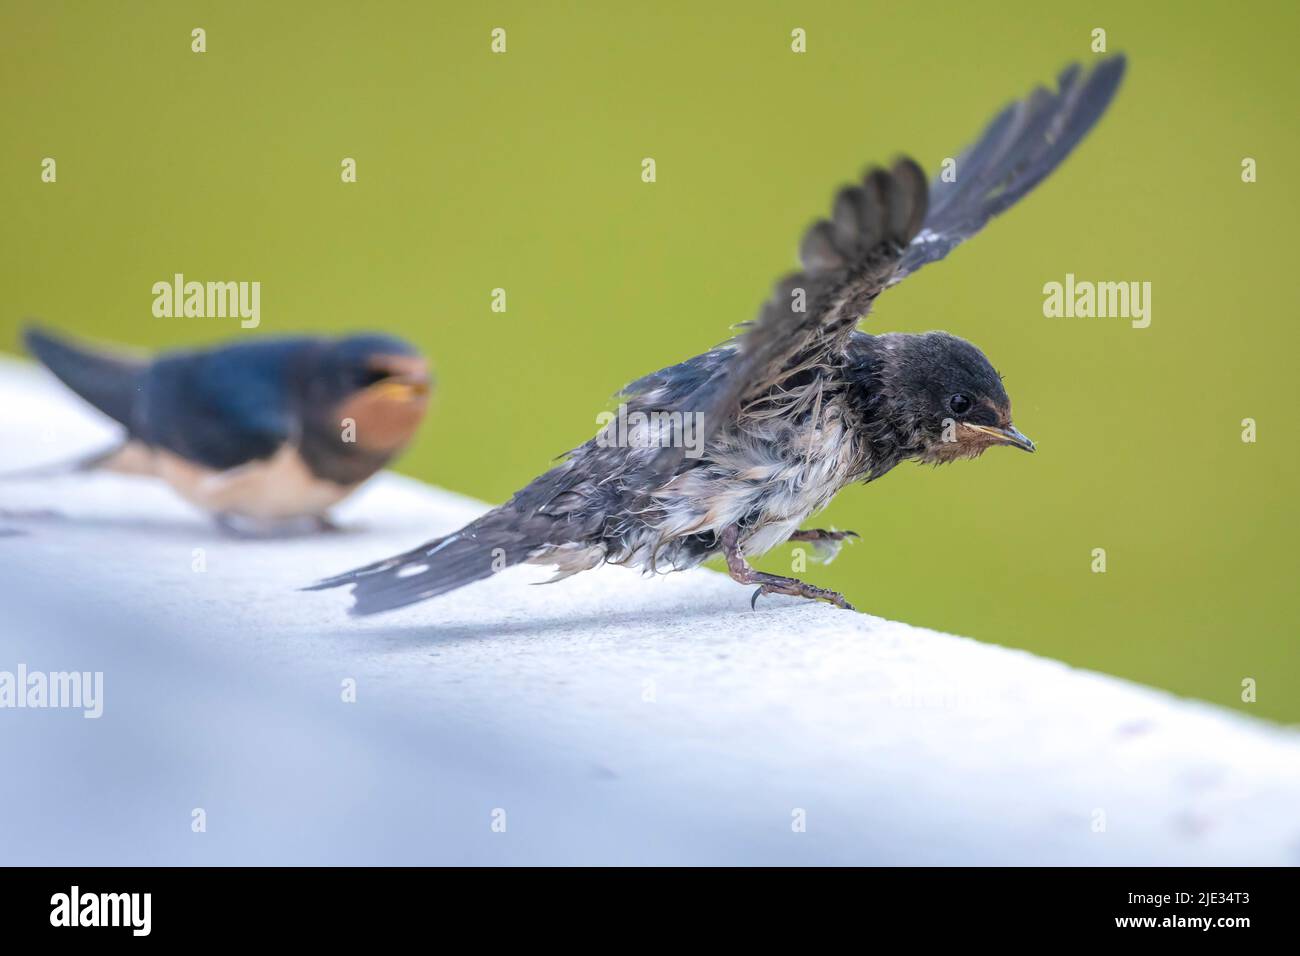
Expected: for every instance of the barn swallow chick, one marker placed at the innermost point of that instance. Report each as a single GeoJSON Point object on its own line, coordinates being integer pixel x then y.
{"type": "Point", "coordinates": [793, 409]}
{"type": "Point", "coordinates": [267, 434]}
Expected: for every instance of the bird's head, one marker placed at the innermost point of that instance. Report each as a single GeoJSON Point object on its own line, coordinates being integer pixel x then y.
{"type": "Point", "coordinates": [380, 383]}
{"type": "Point", "coordinates": [950, 398]}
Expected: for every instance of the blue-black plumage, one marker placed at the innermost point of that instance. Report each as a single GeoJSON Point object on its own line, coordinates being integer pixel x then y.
{"type": "Point", "coordinates": [259, 431]}
{"type": "Point", "coordinates": [797, 406]}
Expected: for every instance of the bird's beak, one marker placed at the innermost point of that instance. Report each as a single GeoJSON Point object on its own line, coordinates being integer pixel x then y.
{"type": "Point", "coordinates": [1005, 436]}
{"type": "Point", "coordinates": [404, 387]}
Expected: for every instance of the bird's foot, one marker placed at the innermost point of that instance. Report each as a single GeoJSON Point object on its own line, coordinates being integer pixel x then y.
{"type": "Point", "coordinates": [775, 584]}
{"type": "Point", "coordinates": [820, 534]}
{"type": "Point", "coordinates": [826, 544]}
{"type": "Point", "coordinates": [740, 570]}
{"type": "Point", "coordinates": [242, 526]}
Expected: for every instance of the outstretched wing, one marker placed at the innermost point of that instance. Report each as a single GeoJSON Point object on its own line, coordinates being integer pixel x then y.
{"type": "Point", "coordinates": [847, 261]}
{"type": "Point", "coordinates": [1017, 151]}
{"type": "Point", "coordinates": [880, 232]}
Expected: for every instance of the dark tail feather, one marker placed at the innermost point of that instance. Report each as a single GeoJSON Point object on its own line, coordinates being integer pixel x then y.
{"type": "Point", "coordinates": [473, 553]}
{"type": "Point", "coordinates": [109, 382]}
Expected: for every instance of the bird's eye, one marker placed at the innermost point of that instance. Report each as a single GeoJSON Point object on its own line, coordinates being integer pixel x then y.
{"type": "Point", "coordinates": [959, 404]}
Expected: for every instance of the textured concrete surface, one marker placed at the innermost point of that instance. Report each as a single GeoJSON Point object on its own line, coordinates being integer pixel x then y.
{"type": "Point", "coordinates": [604, 719]}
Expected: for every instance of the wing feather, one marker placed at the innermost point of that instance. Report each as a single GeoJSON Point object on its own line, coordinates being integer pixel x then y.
{"type": "Point", "coordinates": [807, 321]}
{"type": "Point", "coordinates": [1017, 150]}
{"type": "Point", "coordinates": [878, 232]}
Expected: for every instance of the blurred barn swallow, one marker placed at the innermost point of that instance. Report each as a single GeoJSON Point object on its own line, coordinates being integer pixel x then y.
{"type": "Point", "coordinates": [260, 433]}
{"type": "Point", "coordinates": [793, 409]}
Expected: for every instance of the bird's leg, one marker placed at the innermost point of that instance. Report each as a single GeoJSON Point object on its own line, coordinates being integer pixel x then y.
{"type": "Point", "coordinates": [233, 525]}
{"type": "Point", "coordinates": [327, 525]}
{"type": "Point", "coordinates": [819, 535]}
{"type": "Point", "coordinates": [740, 570]}
{"type": "Point", "coordinates": [242, 526]}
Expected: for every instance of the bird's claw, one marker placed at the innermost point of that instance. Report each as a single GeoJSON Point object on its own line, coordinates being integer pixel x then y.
{"type": "Point", "coordinates": [740, 570]}
{"type": "Point", "coordinates": [804, 591]}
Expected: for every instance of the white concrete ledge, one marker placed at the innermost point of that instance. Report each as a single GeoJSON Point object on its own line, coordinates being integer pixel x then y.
{"type": "Point", "coordinates": [613, 719]}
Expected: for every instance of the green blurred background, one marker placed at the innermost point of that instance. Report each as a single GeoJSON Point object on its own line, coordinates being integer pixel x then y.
{"type": "Point", "coordinates": [522, 171]}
